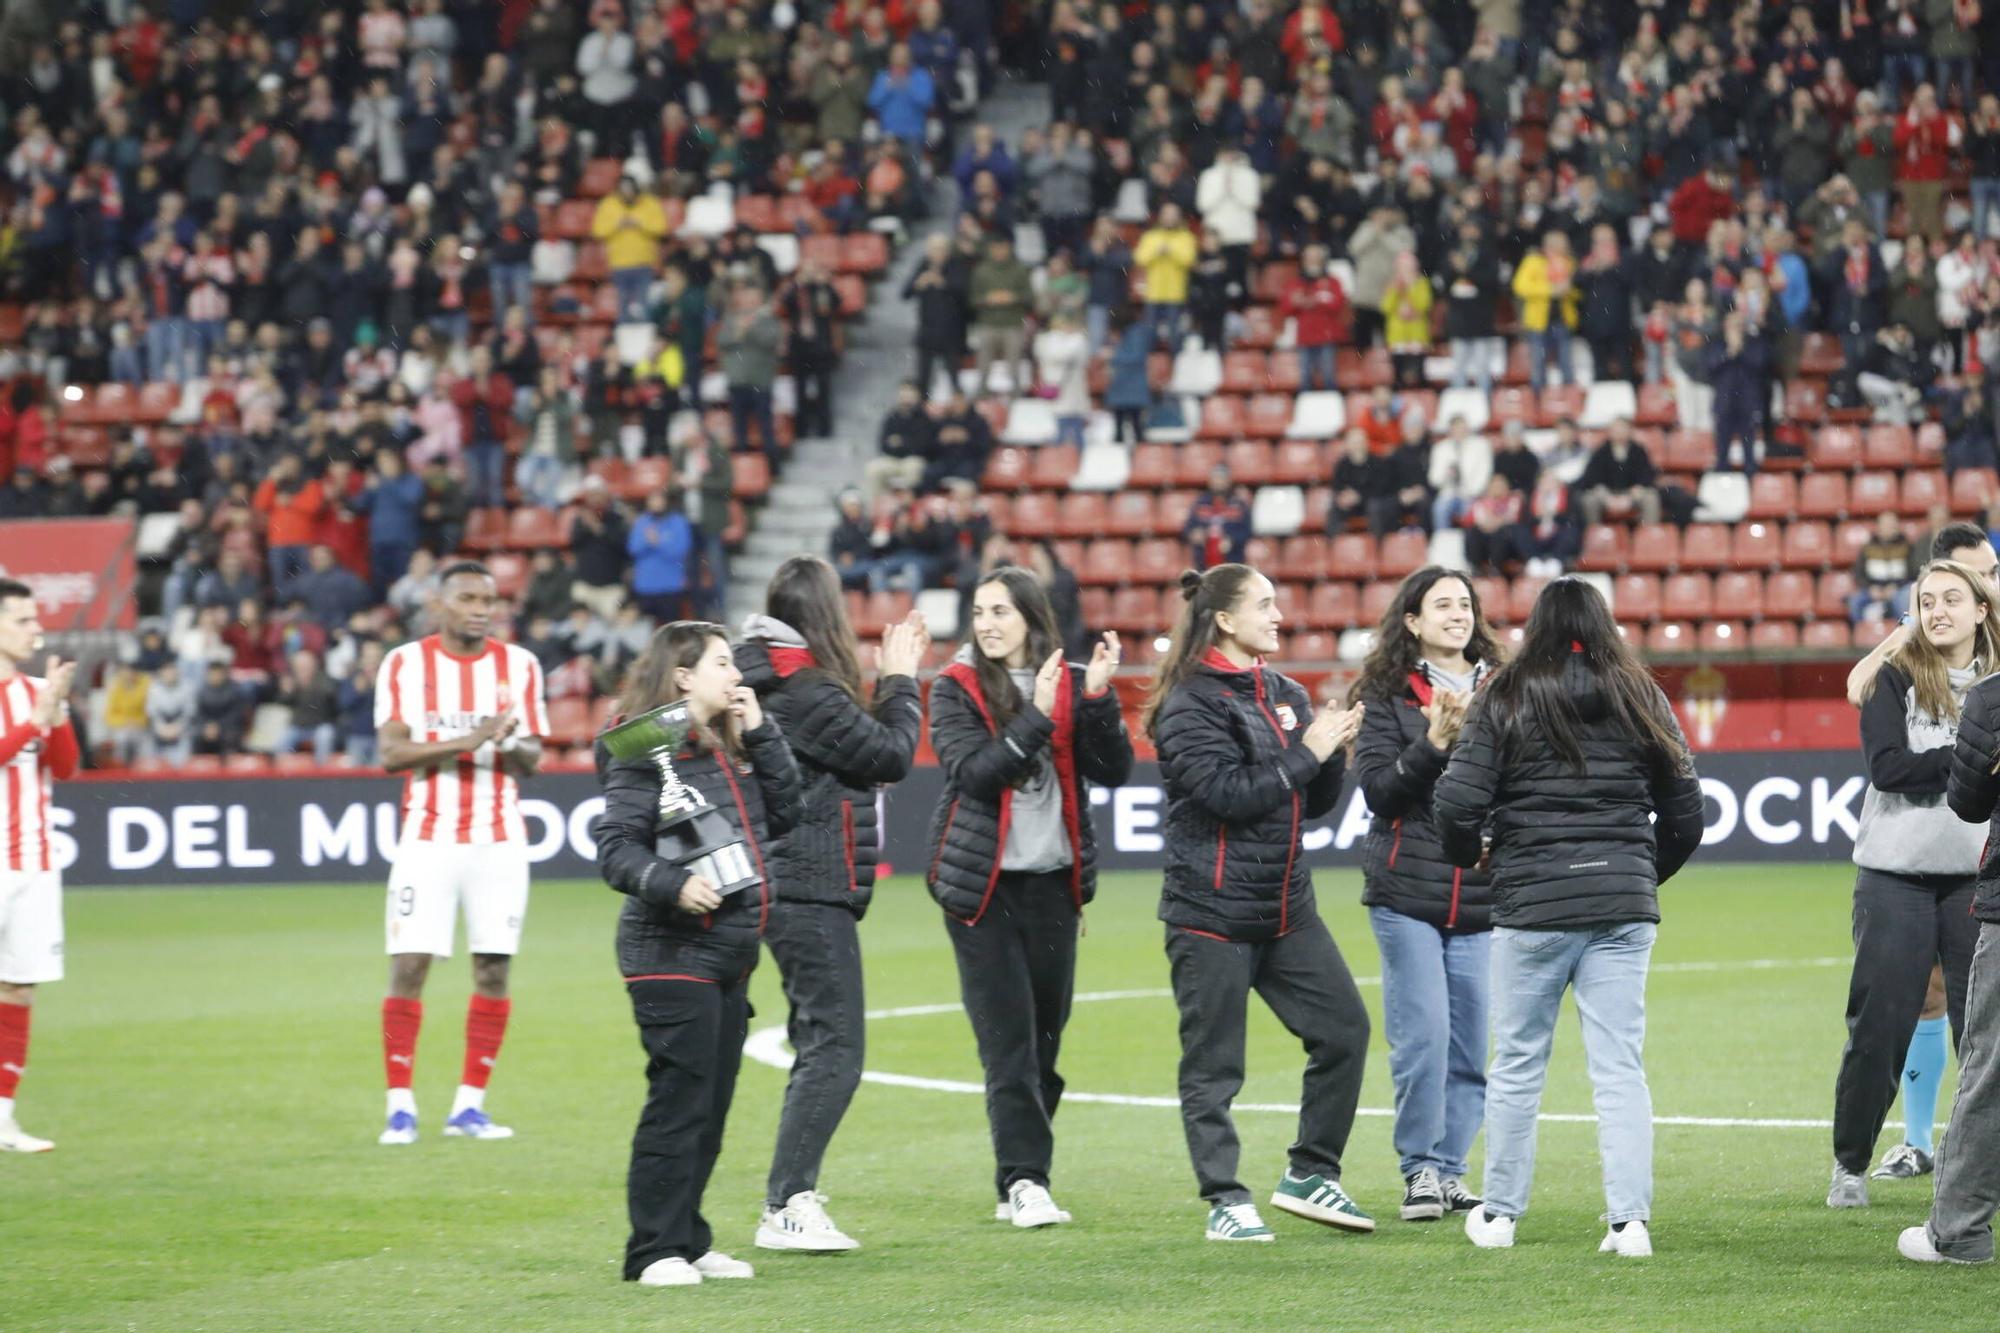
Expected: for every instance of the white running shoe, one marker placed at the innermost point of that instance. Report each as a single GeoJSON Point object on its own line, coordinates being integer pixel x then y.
{"type": "Point", "coordinates": [15, 1139]}
{"type": "Point", "coordinates": [1032, 1206]}
{"type": "Point", "coordinates": [1634, 1242]}
{"type": "Point", "coordinates": [473, 1123]}
{"type": "Point", "coordinates": [802, 1224]}
{"type": "Point", "coordinates": [1915, 1243]}
{"type": "Point", "coordinates": [401, 1130]}
{"type": "Point", "coordinates": [675, 1272]}
{"type": "Point", "coordinates": [717, 1264]}
{"type": "Point", "coordinates": [1489, 1233]}
{"type": "Point", "coordinates": [1847, 1190]}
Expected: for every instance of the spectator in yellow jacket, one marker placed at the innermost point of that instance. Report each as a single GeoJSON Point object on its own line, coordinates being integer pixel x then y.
{"type": "Point", "coordinates": [1167, 254]}
{"type": "Point", "coordinates": [125, 712]}
{"type": "Point", "coordinates": [1545, 287]}
{"type": "Point", "coordinates": [1406, 319]}
{"type": "Point", "coordinates": [631, 225]}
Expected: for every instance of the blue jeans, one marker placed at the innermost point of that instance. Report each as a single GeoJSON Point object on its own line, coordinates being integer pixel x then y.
{"type": "Point", "coordinates": [387, 562]}
{"type": "Point", "coordinates": [1069, 430]}
{"type": "Point", "coordinates": [1955, 70]}
{"type": "Point", "coordinates": [1097, 324]}
{"type": "Point", "coordinates": [898, 570]}
{"type": "Point", "coordinates": [1985, 204]}
{"type": "Point", "coordinates": [1316, 366]}
{"type": "Point", "coordinates": [360, 748]}
{"type": "Point", "coordinates": [708, 545]}
{"type": "Point", "coordinates": [540, 477]}
{"type": "Point", "coordinates": [1606, 966]}
{"type": "Point", "coordinates": [287, 563]}
{"type": "Point", "coordinates": [634, 287]}
{"type": "Point", "coordinates": [128, 365]}
{"type": "Point", "coordinates": [1898, 66]}
{"type": "Point", "coordinates": [749, 403]}
{"type": "Point", "coordinates": [1434, 1014]}
{"type": "Point", "coordinates": [1552, 343]}
{"type": "Point", "coordinates": [1165, 319]}
{"type": "Point", "coordinates": [1877, 204]}
{"type": "Point", "coordinates": [512, 284]}
{"type": "Point", "coordinates": [1471, 359]}
{"type": "Point", "coordinates": [323, 738]}
{"type": "Point", "coordinates": [166, 349]}
{"type": "Point", "coordinates": [486, 467]}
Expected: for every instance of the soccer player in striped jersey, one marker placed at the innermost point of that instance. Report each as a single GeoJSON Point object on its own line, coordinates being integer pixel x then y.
{"type": "Point", "coordinates": [461, 715]}
{"type": "Point", "coordinates": [36, 744]}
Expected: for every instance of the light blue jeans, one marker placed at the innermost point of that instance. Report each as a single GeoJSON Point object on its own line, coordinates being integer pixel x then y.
{"type": "Point", "coordinates": [1606, 965]}
{"type": "Point", "coordinates": [1434, 1013]}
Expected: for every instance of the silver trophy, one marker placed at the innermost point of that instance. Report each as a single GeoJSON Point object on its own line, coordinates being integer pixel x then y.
{"type": "Point", "coordinates": [691, 832]}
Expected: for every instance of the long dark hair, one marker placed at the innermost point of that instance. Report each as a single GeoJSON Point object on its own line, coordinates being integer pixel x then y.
{"type": "Point", "coordinates": [1216, 590]}
{"type": "Point", "coordinates": [1396, 651]}
{"type": "Point", "coordinates": [1571, 623]}
{"type": "Point", "coordinates": [649, 683]}
{"type": "Point", "coordinates": [805, 594]}
{"type": "Point", "coordinates": [1002, 699]}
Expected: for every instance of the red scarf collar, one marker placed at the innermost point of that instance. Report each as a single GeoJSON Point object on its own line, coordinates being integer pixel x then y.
{"type": "Point", "coordinates": [1215, 661]}
{"type": "Point", "coordinates": [790, 661]}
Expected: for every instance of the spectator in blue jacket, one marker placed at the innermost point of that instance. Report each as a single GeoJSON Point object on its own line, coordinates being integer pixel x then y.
{"type": "Point", "coordinates": [662, 539]}
{"type": "Point", "coordinates": [934, 46]}
{"type": "Point", "coordinates": [331, 591]}
{"type": "Point", "coordinates": [394, 505]}
{"type": "Point", "coordinates": [901, 98]}
{"type": "Point", "coordinates": [984, 152]}
{"type": "Point", "coordinates": [1218, 524]}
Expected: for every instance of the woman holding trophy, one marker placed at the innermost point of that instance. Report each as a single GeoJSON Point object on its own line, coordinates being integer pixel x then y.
{"type": "Point", "coordinates": [696, 781]}
{"type": "Point", "coordinates": [1020, 735]}
{"type": "Point", "coordinates": [802, 660]}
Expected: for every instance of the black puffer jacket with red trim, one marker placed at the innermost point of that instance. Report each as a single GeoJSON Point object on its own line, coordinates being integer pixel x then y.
{"type": "Point", "coordinates": [1403, 863]}
{"type": "Point", "coordinates": [1240, 788]}
{"type": "Point", "coordinates": [844, 751]}
{"type": "Point", "coordinates": [968, 832]}
{"type": "Point", "coordinates": [761, 799]}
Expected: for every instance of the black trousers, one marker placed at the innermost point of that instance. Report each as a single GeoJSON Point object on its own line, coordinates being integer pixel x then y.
{"type": "Point", "coordinates": [819, 956]}
{"type": "Point", "coordinates": [692, 1032]}
{"type": "Point", "coordinates": [1016, 973]}
{"type": "Point", "coordinates": [1306, 982]}
{"type": "Point", "coordinates": [815, 406]}
{"type": "Point", "coordinates": [1903, 924]}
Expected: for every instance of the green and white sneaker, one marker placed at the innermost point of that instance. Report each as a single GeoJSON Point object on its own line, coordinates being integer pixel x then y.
{"type": "Point", "coordinates": [1237, 1221]}
{"type": "Point", "coordinates": [1318, 1199]}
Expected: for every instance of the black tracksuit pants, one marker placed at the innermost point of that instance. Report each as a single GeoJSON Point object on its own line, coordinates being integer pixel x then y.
{"type": "Point", "coordinates": [1016, 973]}
{"type": "Point", "coordinates": [1302, 976]}
{"type": "Point", "coordinates": [692, 1032]}
{"type": "Point", "coordinates": [1903, 924]}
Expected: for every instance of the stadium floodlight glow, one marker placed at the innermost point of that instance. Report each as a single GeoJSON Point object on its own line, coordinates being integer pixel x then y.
{"type": "Point", "coordinates": [73, 393]}
{"type": "Point", "coordinates": [1162, 644]}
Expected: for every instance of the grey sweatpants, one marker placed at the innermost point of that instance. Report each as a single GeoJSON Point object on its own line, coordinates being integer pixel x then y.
{"type": "Point", "coordinates": [1968, 1164]}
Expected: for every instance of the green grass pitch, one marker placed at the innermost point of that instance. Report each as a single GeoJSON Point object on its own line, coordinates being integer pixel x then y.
{"type": "Point", "coordinates": [212, 1071]}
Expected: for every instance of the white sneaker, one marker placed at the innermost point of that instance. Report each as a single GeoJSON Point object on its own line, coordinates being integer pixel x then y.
{"type": "Point", "coordinates": [15, 1139]}
{"type": "Point", "coordinates": [1032, 1206]}
{"type": "Point", "coordinates": [717, 1264]}
{"type": "Point", "coordinates": [1489, 1233]}
{"type": "Point", "coordinates": [400, 1131]}
{"type": "Point", "coordinates": [1634, 1242]}
{"type": "Point", "coordinates": [802, 1224]}
{"type": "Point", "coordinates": [675, 1272]}
{"type": "Point", "coordinates": [1915, 1243]}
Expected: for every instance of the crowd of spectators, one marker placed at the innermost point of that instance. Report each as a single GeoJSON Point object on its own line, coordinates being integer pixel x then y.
{"type": "Point", "coordinates": [331, 231]}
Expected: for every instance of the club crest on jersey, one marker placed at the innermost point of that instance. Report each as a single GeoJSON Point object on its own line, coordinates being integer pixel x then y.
{"type": "Point", "coordinates": [1287, 719]}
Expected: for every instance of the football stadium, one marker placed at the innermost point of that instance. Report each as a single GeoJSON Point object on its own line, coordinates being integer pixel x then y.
{"type": "Point", "coordinates": [998, 663]}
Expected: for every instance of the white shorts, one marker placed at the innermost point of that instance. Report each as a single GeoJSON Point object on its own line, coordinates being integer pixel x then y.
{"type": "Point", "coordinates": [431, 879]}
{"type": "Point", "coordinates": [31, 927]}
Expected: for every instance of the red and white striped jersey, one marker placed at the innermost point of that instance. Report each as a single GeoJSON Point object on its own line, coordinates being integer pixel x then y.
{"type": "Point", "coordinates": [470, 798]}
{"type": "Point", "coordinates": [29, 759]}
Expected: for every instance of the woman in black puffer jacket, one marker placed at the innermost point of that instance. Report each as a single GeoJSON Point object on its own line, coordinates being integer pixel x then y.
{"type": "Point", "coordinates": [1572, 758]}
{"type": "Point", "coordinates": [1431, 919]}
{"type": "Point", "coordinates": [686, 952]}
{"type": "Point", "coordinates": [1020, 735]}
{"type": "Point", "coordinates": [1245, 764]}
{"type": "Point", "coordinates": [802, 660]}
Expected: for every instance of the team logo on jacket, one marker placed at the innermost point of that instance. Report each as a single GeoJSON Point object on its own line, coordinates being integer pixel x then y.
{"type": "Point", "coordinates": [1287, 719]}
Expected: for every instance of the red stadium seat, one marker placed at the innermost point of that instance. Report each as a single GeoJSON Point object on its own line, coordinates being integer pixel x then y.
{"type": "Point", "coordinates": [1686, 597]}
{"type": "Point", "coordinates": [1636, 597]}
{"type": "Point", "coordinates": [600, 177]}
{"type": "Point", "coordinates": [1835, 449]}
{"type": "Point", "coordinates": [1724, 636]}
{"type": "Point", "coordinates": [1052, 467]}
{"type": "Point", "coordinates": [1739, 595]}
{"type": "Point", "coordinates": [1105, 562]}
{"type": "Point", "coordinates": [1827, 635]}
{"type": "Point", "coordinates": [1755, 546]}
{"type": "Point", "coordinates": [1006, 469]}
{"type": "Point", "coordinates": [533, 528]}
{"type": "Point", "coordinates": [1351, 555]}
{"type": "Point", "coordinates": [750, 475]}
{"type": "Point", "coordinates": [1152, 467]}
{"type": "Point", "coordinates": [1135, 610]}
{"type": "Point", "coordinates": [1871, 493]}
{"type": "Point", "coordinates": [1130, 514]}
{"type": "Point", "coordinates": [1973, 489]}
{"type": "Point", "coordinates": [1313, 646]}
{"type": "Point", "coordinates": [1157, 561]}
{"type": "Point", "coordinates": [1774, 636]}
{"type": "Point", "coordinates": [1670, 637]}
{"type": "Point", "coordinates": [1559, 403]}
{"type": "Point", "coordinates": [1172, 514]}
{"type": "Point", "coordinates": [1655, 547]}
{"type": "Point", "coordinates": [1245, 372]}
{"type": "Point", "coordinates": [570, 722]}
{"type": "Point", "coordinates": [1823, 495]}
{"type": "Point", "coordinates": [1705, 546]}
{"type": "Point", "coordinates": [1268, 416]}
{"type": "Point", "coordinates": [510, 573]}
{"type": "Point", "coordinates": [1303, 559]}
{"type": "Point", "coordinates": [1604, 549]}
{"type": "Point", "coordinates": [486, 530]}
{"type": "Point", "coordinates": [1888, 447]}
{"type": "Point", "coordinates": [1402, 553]}
{"type": "Point", "coordinates": [1687, 451]}
{"type": "Point", "coordinates": [1521, 597]}
{"type": "Point", "coordinates": [1830, 599]}
{"type": "Point", "coordinates": [1299, 463]}
{"type": "Point", "coordinates": [1081, 514]}
{"type": "Point", "coordinates": [1221, 418]}
{"type": "Point", "coordinates": [1923, 490]}
{"type": "Point", "coordinates": [1333, 606]}
{"type": "Point", "coordinates": [1805, 402]}
{"type": "Point", "coordinates": [1820, 355]}
{"type": "Point", "coordinates": [1034, 515]}
{"type": "Point", "coordinates": [1773, 495]}
{"type": "Point", "coordinates": [1656, 406]}
{"type": "Point", "coordinates": [1250, 463]}
{"type": "Point", "coordinates": [1848, 539]}
{"type": "Point", "coordinates": [1195, 460]}
{"type": "Point", "coordinates": [1375, 600]}
{"type": "Point", "coordinates": [1284, 375]}
{"type": "Point", "coordinates": [1788, 595]}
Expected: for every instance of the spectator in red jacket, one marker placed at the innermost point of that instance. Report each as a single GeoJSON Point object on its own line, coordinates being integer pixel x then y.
{"type": "Point", "coordinates": [485, 400]}
{"type": "Point", "coordinates": [1925, 139]}
{"type": "Point", "coordinates": [1699, 203]}
{"type": "Point", "coordinates": [291, 507]}
{"type": "Point", "coordinates": [1317, 304]}
{"type": "Point", "coordinates": [342, 528]}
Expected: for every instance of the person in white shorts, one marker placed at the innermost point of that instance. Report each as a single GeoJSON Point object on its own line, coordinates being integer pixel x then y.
{"type": "Point", "coordinates": [462, 716]}
{"type": "Point", "coordinates": [37, 744]}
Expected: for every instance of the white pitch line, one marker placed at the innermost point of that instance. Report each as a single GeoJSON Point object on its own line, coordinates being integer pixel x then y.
{"type": "Point", "coordinates": [767, 1047]}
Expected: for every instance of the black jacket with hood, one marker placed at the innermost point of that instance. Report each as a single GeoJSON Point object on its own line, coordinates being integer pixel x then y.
{"type": "Point", "coordinates": [1087, 742]}
{"type": "Point", "coordinates": [844, 751]}
{"type": "Point", "coordinates": [1570, 849]}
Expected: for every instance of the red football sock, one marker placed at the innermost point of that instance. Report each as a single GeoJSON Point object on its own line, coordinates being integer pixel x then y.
{"type": "Point", "coordinates": [13, 1046]}
{"type": "Point", "coordinates": [485, 1028]}
{"type": "Point", "coordinates": [400, 1021]}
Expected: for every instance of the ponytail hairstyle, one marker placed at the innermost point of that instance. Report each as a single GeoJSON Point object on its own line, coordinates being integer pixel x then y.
{"type": "Point", "coordinates": [1920, 660]}
{"type": "Point", "coordinates": [805, 594]}
{"type": "Point", "coordinates": [650, 684]}
{"type": "Point", "coordinates": [1571, 623]}
{"type": "Point", "coordinates": [1217, 590]}
{"type": "Point", "coordinates": [1396, 651]}
{"type": "Point", "coordinates": [1002, 699]}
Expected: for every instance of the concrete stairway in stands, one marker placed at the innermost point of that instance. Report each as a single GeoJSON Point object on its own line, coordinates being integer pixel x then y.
{"type": "Point", "coordinates": [798, 514]}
